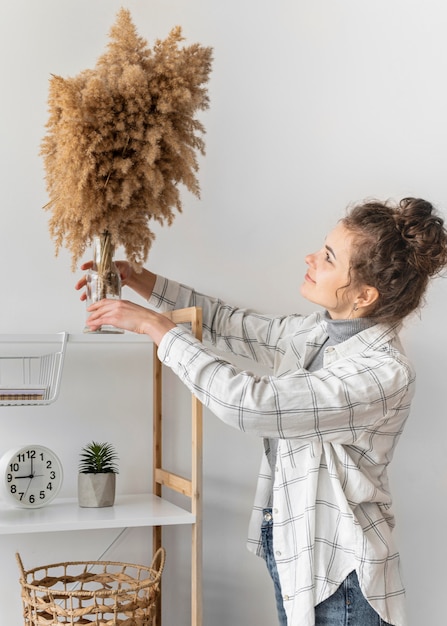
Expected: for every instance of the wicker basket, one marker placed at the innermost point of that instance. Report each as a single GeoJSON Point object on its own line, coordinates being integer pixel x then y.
{"type": "Point", "coordinates": [96, 593]}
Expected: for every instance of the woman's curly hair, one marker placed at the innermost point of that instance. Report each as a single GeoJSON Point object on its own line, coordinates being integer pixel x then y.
{"type": "Point", "coordinates": [397, 249]}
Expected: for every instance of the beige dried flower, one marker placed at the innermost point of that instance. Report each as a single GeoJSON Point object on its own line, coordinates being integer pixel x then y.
{"type": "Point", "coordinates": [121, 138]}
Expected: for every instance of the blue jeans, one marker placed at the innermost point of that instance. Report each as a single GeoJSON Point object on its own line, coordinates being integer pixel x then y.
{"type": "Point", "coordinates": [346, 607]}
{"type": "Point", "coordinates": [267, 544]}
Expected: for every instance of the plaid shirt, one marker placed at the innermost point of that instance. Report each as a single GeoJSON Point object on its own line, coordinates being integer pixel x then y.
{"type": "Point", "coordinates": [336, 427]}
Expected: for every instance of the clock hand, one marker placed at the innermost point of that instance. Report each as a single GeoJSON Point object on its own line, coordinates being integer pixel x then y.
{"type": "Point", "coordinates": [31, 474]}
{"type": "Point", "coordinates": [24, 495]}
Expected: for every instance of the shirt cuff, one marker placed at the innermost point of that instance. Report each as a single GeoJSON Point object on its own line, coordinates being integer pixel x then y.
{"type": "Point", "coordinates": [174, 349]}
{"type": "Point", "coordinates": [164, 295]}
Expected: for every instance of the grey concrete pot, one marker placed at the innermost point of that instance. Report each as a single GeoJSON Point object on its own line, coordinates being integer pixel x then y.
{"type": "Point", "coordinates": [96, 490]}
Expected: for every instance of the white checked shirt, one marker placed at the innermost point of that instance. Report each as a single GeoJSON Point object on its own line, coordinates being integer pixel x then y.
{"type": "Point", "coordinates": [337, 428]}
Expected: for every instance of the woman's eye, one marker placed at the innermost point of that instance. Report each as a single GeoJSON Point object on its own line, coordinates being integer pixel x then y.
{"type": "Point", "coordinates": [328, 258]}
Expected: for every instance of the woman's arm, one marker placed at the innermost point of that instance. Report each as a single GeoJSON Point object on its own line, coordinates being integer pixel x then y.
{"type": "Point", "coordinates": [243, 332]}
{"type": "Point", "coordinates": [142, 282]}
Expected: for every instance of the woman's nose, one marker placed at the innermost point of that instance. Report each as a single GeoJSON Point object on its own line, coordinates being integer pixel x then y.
{"type": "Point", "coordinates": [310, 259]}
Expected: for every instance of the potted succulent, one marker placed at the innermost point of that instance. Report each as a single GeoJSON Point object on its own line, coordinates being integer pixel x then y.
{"type": "Point", "coordinates": [97, 475]}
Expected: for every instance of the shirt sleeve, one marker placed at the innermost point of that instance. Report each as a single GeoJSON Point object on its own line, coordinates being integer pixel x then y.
{"type": "Point", "coordinates": [337, 404]}
{"type": "Point", "coordinates": [242, 332]}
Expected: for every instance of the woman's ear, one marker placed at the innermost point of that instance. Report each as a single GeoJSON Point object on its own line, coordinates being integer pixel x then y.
{"type": "Point", "coordinates": [367, 297]}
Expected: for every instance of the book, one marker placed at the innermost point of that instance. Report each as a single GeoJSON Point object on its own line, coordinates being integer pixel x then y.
{"type": "Point", "coordinates": [22, 393]}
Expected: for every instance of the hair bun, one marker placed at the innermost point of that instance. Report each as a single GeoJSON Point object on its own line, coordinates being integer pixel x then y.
{"type": "Point", "coordinates": [424, 234]}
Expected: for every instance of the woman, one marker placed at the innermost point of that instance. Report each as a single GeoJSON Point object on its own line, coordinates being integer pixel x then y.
{"type": "Point", "coordinates": [330, 413]}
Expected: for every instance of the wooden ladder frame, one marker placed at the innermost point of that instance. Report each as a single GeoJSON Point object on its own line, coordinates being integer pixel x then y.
{"type": "Point", "coordinates": [192, 488]}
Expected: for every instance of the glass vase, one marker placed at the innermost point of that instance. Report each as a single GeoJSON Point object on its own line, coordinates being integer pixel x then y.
{"type": "Point", "coordinates": [103, 279]}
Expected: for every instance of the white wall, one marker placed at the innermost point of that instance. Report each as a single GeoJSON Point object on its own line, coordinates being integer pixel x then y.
{"type": "Point", "coordinates": [314, 103]}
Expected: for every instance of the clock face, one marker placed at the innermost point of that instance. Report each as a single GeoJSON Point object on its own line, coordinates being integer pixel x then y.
{"type": "Point", "coordinates": [31, 475]}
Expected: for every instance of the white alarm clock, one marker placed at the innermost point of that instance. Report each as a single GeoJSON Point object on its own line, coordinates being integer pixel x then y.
{"type": "Point", "coordinates": [31, 476]}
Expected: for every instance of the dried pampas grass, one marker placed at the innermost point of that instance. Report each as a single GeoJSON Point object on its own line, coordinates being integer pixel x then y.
{"type": "Point", "coordinates": [121, 138]}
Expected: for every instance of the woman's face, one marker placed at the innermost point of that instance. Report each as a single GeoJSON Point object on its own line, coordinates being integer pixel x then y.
{"type": "Point", "coordinates": [327, 276]}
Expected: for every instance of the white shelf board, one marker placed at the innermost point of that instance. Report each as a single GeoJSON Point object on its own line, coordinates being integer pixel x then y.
{"type": "Point", "coordinates": [65, 514]}
{"type": "Point", "coordinates": [126, 337]}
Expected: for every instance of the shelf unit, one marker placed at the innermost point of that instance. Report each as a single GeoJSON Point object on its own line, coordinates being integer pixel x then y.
{"type": "Point", "coordinates": [162, 477]}
{"type": "Point", "coordinates": [134, 510]}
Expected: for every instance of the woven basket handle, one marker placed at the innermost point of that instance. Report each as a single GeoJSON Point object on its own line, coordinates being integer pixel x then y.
{"type": "Point", "coordinates": [160, 556]}
{"type": "Point", "coordinates": [22, 569]}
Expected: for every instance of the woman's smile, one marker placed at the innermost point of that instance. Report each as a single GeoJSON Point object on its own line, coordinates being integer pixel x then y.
{"type": "Point", "coordinates": [309, 279]}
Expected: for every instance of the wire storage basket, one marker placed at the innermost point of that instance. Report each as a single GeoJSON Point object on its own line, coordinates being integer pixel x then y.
{"type": "Point", "coordinates": [91, 593]}
{"type": "Point", "coordinates": [31, 368]}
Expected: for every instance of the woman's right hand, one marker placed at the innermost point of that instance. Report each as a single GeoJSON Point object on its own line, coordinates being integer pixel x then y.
{"type": "Point", "coordinates": [128, 316]}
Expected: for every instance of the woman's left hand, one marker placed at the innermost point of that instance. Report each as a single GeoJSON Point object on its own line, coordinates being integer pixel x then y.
{"type": "Point", "coordinates": [128, 316]}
